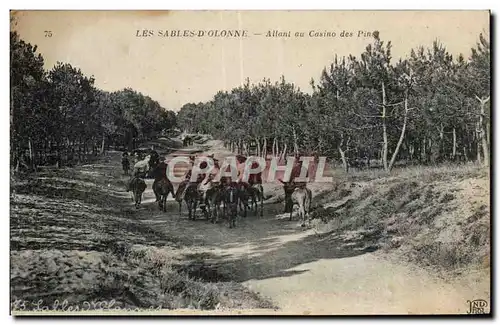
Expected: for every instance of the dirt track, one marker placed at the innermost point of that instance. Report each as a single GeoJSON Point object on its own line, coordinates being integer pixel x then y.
{"type": "Point", "coordinates": [298, 270]}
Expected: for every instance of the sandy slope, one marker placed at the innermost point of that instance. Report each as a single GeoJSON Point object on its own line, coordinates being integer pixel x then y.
{"type": "Point", "coordinates": [302, 274]}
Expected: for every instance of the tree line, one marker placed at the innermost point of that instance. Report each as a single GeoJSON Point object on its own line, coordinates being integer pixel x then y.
{"type": "Point", "coordinates": [428, 108]}
{"type": "Point", "coordinates": [60, 117]}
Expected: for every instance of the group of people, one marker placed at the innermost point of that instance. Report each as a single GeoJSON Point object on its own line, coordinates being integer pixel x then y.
{"type": "Point", "coordinates": [136, 183]}
{"type": "Point", "coordinates": [249, 188]}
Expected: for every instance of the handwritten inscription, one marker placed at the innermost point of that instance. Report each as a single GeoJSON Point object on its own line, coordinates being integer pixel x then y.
{"type": "Point", "coordinates": [229, 33]}
{"type": "Point", "coordinates": [23, 305]}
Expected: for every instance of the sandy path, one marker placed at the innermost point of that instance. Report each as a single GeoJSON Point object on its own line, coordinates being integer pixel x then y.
{"type": "Point", "coordinates": [302, 274]}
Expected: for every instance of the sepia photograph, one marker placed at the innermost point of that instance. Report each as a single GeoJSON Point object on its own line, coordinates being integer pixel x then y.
{"type": "Point", "coordinates": [250, 162]}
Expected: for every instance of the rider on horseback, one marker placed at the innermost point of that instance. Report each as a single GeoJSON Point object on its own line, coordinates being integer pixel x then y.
{"type": "Point", "coordinates": [187, 179]}
{"type": "Point", "coordinates": [154, 159]}
{"type": "Point", "coordinates": [159, 172]}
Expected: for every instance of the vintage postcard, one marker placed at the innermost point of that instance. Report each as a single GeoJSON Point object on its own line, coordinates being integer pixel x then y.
{"type": "Point", "coordinates": [250, 162]}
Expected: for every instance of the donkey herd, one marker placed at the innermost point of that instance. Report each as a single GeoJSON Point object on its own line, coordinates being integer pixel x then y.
{"type": "Point", "coordinates": [217, 199]}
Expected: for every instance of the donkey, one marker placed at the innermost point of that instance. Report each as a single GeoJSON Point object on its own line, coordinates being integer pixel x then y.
{"type": "Point", "coordinates": [188, 192]}
{"type": "Point", "coordinates": [256, 192]}
{"type": "Point", "coordinates": [210, 198]}
{"type": "Point", "coordinates": [231, 196]}
{"type": "Point", "coordinates": [137, 186]}
{"type": "Point", "coordinates": [192, 197]}
{"type": "Point", "coordinates": [288, 188]}
{"type": "Point", "coordinates": [162, 186]}
{"type": "Point", "coordinates": [243, 197]}
{"type": "Point", "coordinates": [298, 194]}
{"type": "Point", "coordinates": [179, 195]}
{"type": "Point", "coordinates": [303, 197]}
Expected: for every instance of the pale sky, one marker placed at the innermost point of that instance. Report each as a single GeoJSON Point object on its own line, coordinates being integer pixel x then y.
{"type": "Point", "coordinates": [175, 71]}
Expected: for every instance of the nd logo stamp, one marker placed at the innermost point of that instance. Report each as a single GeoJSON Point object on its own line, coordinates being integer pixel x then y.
{"type": "Point", "coordinates": [477, 306]}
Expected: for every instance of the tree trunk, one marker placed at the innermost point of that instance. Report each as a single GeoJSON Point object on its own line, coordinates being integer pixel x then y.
{"type": "Point", "coordinates": [430, 152]}
{"type": "Point", "coordinates": [103, 143]}
{"type": "Point", "coordinates": [454, 151]}
{"type": "Point", "coordinates": [295, 145]}
{"type": "Point", "coordinates": [85, 150]}
{"type": "Point", "coordinates": [344, 160]}
{"type": "Point", "coordinates": [264, 149]}
{"type": "Point", "coordinates": [283, 155]}
{"type": "Point", "coordinates": [478, 152]}
{"type": "Point", "coordinates": [401, 137]}
{"type": "Point", "coordinates": [482, 130]}
{"type": "Point", "coordinates": [478, 143]}
{"type": "Point", "coordinates": [58, 152]}
{"type": "Point", "coordinates": [486, 151]}
{"type": "Point", "coordinates": [342, 152]}
{"type": "Point", "coordinates": [384, 129]}
{"type": "Point", "coordinates": [12, 124]}
{"type": "Point", "coordinates": [441, 142]}
{"type": "Point", "coordinates": [30, 146]}
{"type": "Point", "coordinates": [80, 156]}
{"type": "Point", "coordinates": [488, 133]}
{"type": "Point", "coordinates": [423, 154]}
{"type": "Point", "coordinates": [245, 148]}
{"type": "Point", "coordinates": [94, 148]}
